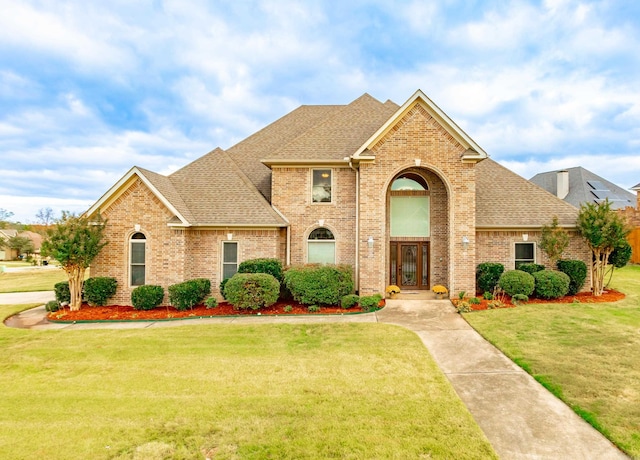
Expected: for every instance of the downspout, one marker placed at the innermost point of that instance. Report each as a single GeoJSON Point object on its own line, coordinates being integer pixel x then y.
{"type": "Point", "coordinates": [288, 245]}
{"type": "Point", "coordinates": [357, 265]}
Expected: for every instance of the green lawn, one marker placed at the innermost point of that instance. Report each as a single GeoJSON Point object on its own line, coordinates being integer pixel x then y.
{"type": "Point", "coordinates": [31, 280]}
{"type": "Point", "coordinates": [588, 354]}
{"type": "Point", "coordinates": [229, 392]}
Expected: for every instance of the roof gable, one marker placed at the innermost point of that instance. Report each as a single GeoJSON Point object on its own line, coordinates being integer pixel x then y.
{"type": "Point", "coordinates": [473, 153]}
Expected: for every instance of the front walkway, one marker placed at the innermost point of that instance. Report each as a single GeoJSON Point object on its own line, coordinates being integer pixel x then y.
{"type": "Point", "coordinates": [521, 419]}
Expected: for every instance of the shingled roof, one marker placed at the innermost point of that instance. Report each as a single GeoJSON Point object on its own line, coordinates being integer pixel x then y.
{"type": "Point", "coordinates": [507, 200]}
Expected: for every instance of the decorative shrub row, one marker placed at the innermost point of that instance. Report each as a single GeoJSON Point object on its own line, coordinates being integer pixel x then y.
{"type": "Point", "coordinates": [96, 291]}
{"type": "Point", "coordinates": [514, 282]}
{"type": "Point", "coordinates": [577, 272]}
{"type": "Point", "coordinates": [319, 284]}
{"type": "Point", "coordinates": [189, 293]}
{"type": "Point", "coordinates": [147, 297]}
{"type": "Point", "coordinates": [349, 301]}
{"type": "Point", "coordinates": [487, 275]}
{"type": "Point", "coordinates": [252, 290]}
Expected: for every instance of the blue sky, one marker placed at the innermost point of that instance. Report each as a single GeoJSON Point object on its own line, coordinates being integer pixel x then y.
{"type": "Point", "coordinates": [90, 89]}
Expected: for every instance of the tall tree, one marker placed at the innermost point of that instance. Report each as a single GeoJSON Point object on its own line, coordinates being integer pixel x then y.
{"type": "Point", "coordinates": [45, 216]}
{"type": "Point", "coordinates": [554, 241]}
{"type": "Point", "coordinates": [75, 241]}
{"type": "Point", "coordinates": [603, 229]}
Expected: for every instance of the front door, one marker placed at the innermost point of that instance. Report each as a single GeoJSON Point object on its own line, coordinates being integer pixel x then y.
{"type": "Point", "coordinates": [410, 265]}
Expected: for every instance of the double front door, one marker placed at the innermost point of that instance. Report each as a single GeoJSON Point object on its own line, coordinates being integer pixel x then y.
{"type": "Point", "coordinates": [409, 267]}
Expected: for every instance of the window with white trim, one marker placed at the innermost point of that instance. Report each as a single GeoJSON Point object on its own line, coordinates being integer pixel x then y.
{"type": "Point", "coordinates": [137, 256]}
{"type": "Point", "coordinates": [229, 259]}
{"type": "Point", "coordinates": [321, 247]}
{"type": "Point", "coordinates": [525, 254]}
{"type": "Point", "coordinates": [321, 186]}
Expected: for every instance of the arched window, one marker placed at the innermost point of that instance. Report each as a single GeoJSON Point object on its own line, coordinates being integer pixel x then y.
{"type": "Point", "coordinates": [410, 206]}
{"type": "Point", "coordinates": [137, 255]}
{"type": "Point", "coordinates": [321, 247]}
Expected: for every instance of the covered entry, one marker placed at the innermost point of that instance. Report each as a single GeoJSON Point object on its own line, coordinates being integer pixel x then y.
{"type": "Point", "coordinates": [410, 231]}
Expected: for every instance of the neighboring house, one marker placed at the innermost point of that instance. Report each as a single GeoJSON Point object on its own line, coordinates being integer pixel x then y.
{"type": "Point", "coordinates": [5, 252]}
{"type": "Point", "coordinates": [400, 193]}
{"type": "Point", "coordinates": [578, 185]}
{"type": "Point", "coordinates": [633, 218]}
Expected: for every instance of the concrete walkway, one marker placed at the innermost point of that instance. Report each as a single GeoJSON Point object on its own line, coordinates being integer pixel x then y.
{"type": "Point", "coordinates": [521, 419]}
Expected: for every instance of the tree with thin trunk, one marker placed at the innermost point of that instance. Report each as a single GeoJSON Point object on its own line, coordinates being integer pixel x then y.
{"type": "Point", "coordinates": [45, 216]}
{"type": "Point", "coordinates": [21, 244]}
{"type": "Point", "coordinates": [75, 241]}
{"type": "Point", "coordinates": [603, 229]}
{"type": "Point", "coordinates": [554, 241]}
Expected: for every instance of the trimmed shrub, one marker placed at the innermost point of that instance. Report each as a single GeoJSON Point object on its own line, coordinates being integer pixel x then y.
{"type": "Point", "coordinates": [223, 283]}
{"type": "Point", "coordinates": [530, 267]}
{"type": "Point", "coordinates": [551, 284]}
{"type": "Point", "coordinates": [519, 299]}
{"type": "Point", "coordinates": [474, 301]}
{"type": "Point", "coordinates": [271, 266]}
{"type": "Point", "coordinates": [62, 292]}
{"type": "Point", "coordinates": [349, 301]}
{"type": "Point", "coordinates": [487, 296]}
{"type": "Point", "coordinates": [189, 293]}
{"type": "Point", "coordinates": [577, 272]}
{"type": "Point", "coordinates": [211, 302]}
{"type": "Point", "coordinates": [487, 275]}
{"type": "Point", "coordinates": [147, 297]}
{"type": "Point", "coordinates": [514, 282]}
{"type": "Point", "coordinates": [252, 290]}
{"type": "Point", "coordinates": [370, 302]}
{"type": "Point", "coordinates": [319, 284]}
{"type": "Point", "coordinates": [52, 306]}
{"type": "Point", "coordinates": [98, 289]}
{"type": "Point", "coordinates": [621, 254]}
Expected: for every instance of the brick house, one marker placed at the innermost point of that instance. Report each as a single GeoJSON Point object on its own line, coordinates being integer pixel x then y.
{"type": "Point", "coordinates": [400, 193]}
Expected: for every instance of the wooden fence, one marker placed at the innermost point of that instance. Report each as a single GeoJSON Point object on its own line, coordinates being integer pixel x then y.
{"type": "Point", "coordinates": [634, 241]}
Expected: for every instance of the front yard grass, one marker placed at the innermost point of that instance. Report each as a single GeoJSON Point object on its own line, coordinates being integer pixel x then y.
{"type": "Point", "coordinates": [229, 392]}
{"type": "Point", "coordinates": [587, 354]}
{"type": "Point", "coordinates": [31, 280]}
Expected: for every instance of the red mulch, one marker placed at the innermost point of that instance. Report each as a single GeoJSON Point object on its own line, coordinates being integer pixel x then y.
{"type": "Point", "coordinates": [127, 313]}
{"type": "Point", "coordinates": [581, 297]}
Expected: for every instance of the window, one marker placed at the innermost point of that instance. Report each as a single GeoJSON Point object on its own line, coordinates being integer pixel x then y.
{"type": "Point", "coordinates": [137, 253]}
{"type": "Point", "coordinates": [321, 247]}
{"type": "Point", "coordinates": [321, 187]}
{"type": "Point", "coordinates": [229, 259]}
{"type": "Point", "coordinates": [410, 206]}
{"type": "Point", "coordinates": [525, 253]}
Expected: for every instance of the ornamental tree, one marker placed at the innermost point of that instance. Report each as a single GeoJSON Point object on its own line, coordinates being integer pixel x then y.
{"type": "Point", "coordinates": [554, 241]}
{"type": "Point", "coordinates": [604, 230]}
{"type": "Point", "coordinates": [75, 241]}
{"type": "Point", "coordinates": [21, 244]}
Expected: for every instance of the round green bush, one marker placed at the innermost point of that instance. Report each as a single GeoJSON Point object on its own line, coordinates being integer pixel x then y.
{"type": "Point", "coordinates": [487, 275]}
{"type": "Point", "coordinates": [349, 301]}
{"type": "Point", "coordinates": [530, 267]}
{"type": "Point", "coordinates": [62, 292]}
{"type": "Point", "coordinates": [515, 282]}
{"type": "Point", "coordinates": [551, 284]}
{"type": "Point", "coordinates": [252, 290]}
{"type": "Point", "coordinates": [577, 271]}
{"type": "Point", "coordinates": [319, 284]}
{"type": "Point", "coordinates": [52, 306]}
{"type": "Point", "coordinates": [147, 297]}
{"type": "Point", "coordinates": [99, 289]}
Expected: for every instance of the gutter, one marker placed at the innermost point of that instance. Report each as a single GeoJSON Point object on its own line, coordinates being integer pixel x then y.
{"type": "Point", "coordinates": [357, 233]}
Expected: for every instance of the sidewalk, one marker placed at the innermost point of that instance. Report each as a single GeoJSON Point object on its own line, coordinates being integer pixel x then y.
{"type": "Point", "coordinates": [521, 419]}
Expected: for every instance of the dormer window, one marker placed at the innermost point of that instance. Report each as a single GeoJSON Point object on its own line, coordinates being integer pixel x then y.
{"type": "Point", "coordinates": [321, 186]}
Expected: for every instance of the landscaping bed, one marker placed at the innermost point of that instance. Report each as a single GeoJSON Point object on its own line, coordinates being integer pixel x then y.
{"type": "Point", "coordinates": [610, 295]}
{"type": "Point", "coordinates": [128, 313]}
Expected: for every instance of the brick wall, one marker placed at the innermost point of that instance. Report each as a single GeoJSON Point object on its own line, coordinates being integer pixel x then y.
{"type": "Point", "coordinates": [172, 255]}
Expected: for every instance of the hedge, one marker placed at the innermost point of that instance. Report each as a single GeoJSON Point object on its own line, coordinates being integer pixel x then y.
{"type": "Point", "coordinates": [189, 293]}
{"type": "Point", "coordinates": [577, 272]}
{"type": "Point", "coordinates": [551, 284]}
{"type": "Point", "coordinates": [62, 292]}
{"type": "Point", "coordinates": [319, 284]}
{"type": "Point", "coordinates": [99, 289]}
{"type": "Point", "coordinates": [487, 275]}
{"type": "Point", "coordinates": [530, 267]}
{"type": "Point", "coordinates": [252, 290]}
{"type": "Point", "coordinates": [147, 297]}
{"type": "Point", "coordinates": [271, 266]}
{"type": "Point", "coordinates": [516, 282]}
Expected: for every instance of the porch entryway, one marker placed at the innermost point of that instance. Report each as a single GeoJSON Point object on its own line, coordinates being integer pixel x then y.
{"type": "Point", "coordinates": [409, 267]}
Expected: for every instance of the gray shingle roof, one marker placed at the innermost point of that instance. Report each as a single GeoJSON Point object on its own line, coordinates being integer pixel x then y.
{"type": "Point", "coordinates": [580, 191]}
{"type": "Point", "coordinates": [505, 199]}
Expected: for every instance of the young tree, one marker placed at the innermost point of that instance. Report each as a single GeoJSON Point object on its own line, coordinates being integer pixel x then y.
{"type": "Point", "coordinates": [74, 242]}
{"type": "Point", "coordinates": [554, 241]}
{"type": "Point", "coordinates": [604, 230]}
{"type": "Point", "coordinates": [22, 244]}
{"type": "Point", "coordinates": [45, 216]}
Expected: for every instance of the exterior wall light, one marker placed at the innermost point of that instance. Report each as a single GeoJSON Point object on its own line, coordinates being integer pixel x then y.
{"type": "Point", "coordinates": [465, 242]}
{"type": "Point", "coordinates": [370, 242]}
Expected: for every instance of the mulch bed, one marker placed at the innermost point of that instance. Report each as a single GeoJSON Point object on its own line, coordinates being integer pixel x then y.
{"type": "Point", "coordinates": [127, 313]}
{"type": "Point", "coordinates": [582, 297]}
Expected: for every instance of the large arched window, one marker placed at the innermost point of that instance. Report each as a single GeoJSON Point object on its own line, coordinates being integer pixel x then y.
{"type": "Point", "coordinates": [410, 213]}
{"type": "Point", "coordinates": [137, 255]}
{"type": "Point", "coordinates": [321, 247]}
